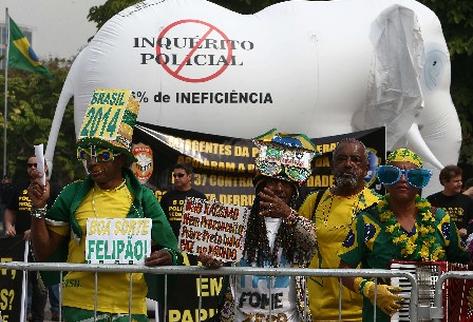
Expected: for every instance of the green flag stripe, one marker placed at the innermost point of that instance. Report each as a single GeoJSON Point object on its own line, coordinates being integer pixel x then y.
{"type": "Point", "coordinates": [21, 55]}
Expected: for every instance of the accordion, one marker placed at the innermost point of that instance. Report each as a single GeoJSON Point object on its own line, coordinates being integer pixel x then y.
{"type": "Point", "coordinates": [457, 293]}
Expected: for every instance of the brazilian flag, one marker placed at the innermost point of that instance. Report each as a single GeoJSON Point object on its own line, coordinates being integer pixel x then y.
{"type": "Point", "coordinates": [21, 55]}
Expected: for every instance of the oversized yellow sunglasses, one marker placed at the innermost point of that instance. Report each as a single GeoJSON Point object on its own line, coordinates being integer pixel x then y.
{"type": "Point", "coordinates": [96, 153]}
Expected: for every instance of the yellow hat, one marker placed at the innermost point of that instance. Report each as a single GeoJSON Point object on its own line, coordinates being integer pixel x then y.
{"type": "Point", "coordinates": [109, 120]}
{"type": "Point", "coordinates": [405, 155]}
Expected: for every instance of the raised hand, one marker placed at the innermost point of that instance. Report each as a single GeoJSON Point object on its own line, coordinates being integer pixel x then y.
{"type": "Point", "coordinates": [273, 206]}
{"type": "Point", "coordinates": [38, 193]}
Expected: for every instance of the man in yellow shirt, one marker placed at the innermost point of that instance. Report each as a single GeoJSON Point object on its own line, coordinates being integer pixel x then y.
{"type": "Point", "coordinates": [332, 212]}
{"type": "Point", "coordinates": [109, 191]}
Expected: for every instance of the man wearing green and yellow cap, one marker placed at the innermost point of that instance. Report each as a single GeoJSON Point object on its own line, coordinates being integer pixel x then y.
{"type": "Point", "coordinates": [401, 226]}
{"type": "Point", "coordinates": [109, 191]}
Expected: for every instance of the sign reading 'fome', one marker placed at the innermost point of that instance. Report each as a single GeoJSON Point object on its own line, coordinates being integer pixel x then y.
{"type": "Point", "coordinates": [118, 240]}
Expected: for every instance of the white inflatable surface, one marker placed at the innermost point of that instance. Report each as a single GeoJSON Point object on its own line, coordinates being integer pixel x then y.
{"type": "Point", "coordinates": [321, 68]}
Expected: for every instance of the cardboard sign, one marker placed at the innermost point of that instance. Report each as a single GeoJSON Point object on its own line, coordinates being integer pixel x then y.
{"type": "Point", "coordinates": [104, 113]}
{"type": "Point", "coordinates": [118, 240]}
{"type": "Point", "coordinates": [210, 227]}
{"type": "Point", "coordinates": [11, 249]}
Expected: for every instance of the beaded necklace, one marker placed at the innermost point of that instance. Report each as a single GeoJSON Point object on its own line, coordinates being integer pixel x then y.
{"type": "Point", "coordinates": [359, 197]}
{"type": "Point", "coordinates": [419, 246]}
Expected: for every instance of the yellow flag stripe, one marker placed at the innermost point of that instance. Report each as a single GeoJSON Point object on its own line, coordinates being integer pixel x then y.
{"type": "Point", "coordinates": [23, 47]}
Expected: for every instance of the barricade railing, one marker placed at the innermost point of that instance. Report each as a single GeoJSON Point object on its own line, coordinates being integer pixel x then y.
{"type": "Point", "coordinates": [437, 312]}
{"type": "Point", "coordinates": [195, 270]}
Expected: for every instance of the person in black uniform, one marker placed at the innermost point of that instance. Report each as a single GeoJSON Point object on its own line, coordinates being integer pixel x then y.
{"type": "Point", "coordinates": [172, 201]}
{"type": "Point", "coordinates": [17, 220]}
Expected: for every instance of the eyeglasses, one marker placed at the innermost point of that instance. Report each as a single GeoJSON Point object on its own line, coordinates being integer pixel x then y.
{"type": "Point", "coordinates": [417, 178]}
{"type": "Point", "coordinates": [96, 153]}
{"type": "Point", "coordinates": [30, 165]}
{"type": "Point", "coordinates": [178, 175]}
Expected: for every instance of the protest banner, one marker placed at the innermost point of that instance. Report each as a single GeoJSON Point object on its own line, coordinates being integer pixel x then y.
{"type": "Point", "coordinates": [118, 240]}
{"type": "Point", "coordinates": [213, 228]}
{"type": "Point", "coordinates": [224, 166]}
{"type": "Point", "coordinates": [11, 249]}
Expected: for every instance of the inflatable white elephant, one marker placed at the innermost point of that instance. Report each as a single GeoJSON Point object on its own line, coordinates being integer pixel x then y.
{"type": "Point", "coordinates": [321, 68]}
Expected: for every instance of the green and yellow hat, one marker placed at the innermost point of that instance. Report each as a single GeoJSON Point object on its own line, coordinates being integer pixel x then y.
{"type": "Point", "coordinates": [284, 156]}
{"type": "Point", "coordinates": [405, 155]}
{"type": "Point", "coordinates": [109, 121]}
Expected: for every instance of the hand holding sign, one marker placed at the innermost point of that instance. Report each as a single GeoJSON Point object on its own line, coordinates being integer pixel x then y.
{"type": "Point", "coordinates": [159, 258]}
{"type": "Point", "coordinates": [37, 192]}
{"type": "Point", "coordinates": [209, 262]}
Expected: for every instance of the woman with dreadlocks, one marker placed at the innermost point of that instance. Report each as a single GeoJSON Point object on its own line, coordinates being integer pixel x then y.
{"type": "Point", "coordinates": [276, 236]}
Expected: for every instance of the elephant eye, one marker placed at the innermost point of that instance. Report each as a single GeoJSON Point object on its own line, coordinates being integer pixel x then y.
{"type": "Point", "coordinates": [435, 62]}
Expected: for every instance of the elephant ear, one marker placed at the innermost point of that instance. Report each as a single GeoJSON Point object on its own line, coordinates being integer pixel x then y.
{"type": "Point", "coordinates": [394, 90]}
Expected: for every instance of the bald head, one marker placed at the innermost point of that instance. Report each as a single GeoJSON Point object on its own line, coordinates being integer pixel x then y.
{"type": "Point", "coordinates": [352, 141]}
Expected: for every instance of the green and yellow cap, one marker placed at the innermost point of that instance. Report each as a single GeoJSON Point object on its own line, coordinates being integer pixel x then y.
{"type": "Point", "coordinates": [405, 155]}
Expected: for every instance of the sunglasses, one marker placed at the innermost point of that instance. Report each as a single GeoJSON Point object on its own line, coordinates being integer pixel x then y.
{"type": "Point", "coordinates": [417, 178]}
{"type": "Point", "coordinates": [30, 165]}
{"type": "Point", "coordinates": [96, 153]}
{"type": "Point", "coordinates": [178, 175]}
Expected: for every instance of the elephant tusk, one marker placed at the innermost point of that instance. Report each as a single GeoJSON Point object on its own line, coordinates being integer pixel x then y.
{"type": "Point", "coordinates": [418, 144]}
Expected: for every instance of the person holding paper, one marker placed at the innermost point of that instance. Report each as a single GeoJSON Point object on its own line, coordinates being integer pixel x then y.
{"type": "Point", "coordinates": [109, 191]}
{"type": "Point", "coordinates": [276, 235]}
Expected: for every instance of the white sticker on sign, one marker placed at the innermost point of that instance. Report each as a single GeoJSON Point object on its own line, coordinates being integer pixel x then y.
{"type": "Point", "coordinates": [118, 240]}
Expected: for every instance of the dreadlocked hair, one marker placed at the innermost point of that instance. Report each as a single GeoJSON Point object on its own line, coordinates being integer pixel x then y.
{"type": "Point", "coordinates": [257, 244]}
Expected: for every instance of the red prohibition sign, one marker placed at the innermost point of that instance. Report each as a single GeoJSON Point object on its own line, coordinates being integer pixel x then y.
{"type": "Point", "coordinates": [175, 73]}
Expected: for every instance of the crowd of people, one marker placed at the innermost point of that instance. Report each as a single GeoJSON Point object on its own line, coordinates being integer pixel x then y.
{"type": "Point", "coordinates": [344, 226]}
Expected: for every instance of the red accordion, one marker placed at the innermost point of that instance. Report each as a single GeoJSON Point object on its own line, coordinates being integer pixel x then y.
{"type": "Point", "coordinates": [457, 293]}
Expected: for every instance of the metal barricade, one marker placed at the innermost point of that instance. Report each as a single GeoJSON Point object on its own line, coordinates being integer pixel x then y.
{"type": "Point", "coordinates": [194, 270]}
{"type": "Point", "coordinates": [437, 312]}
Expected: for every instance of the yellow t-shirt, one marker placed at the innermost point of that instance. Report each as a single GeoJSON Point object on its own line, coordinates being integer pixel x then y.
{"type": "Point", "coordinates": [332, 220]}
{"type": "Point", "coordinates": [112, 288]}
